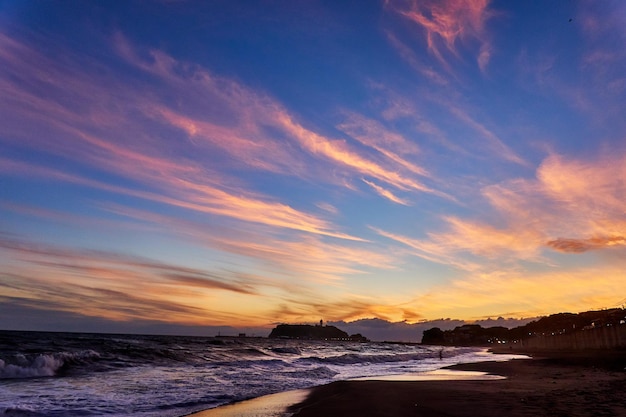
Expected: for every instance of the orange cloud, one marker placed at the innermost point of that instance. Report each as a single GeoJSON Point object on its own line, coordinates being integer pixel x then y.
{"type": "Point", "coordinates": [572, 206]}
{"type": "Point", "coordinates": [386, 193]}
{"type": "Point", "coordinates": [113, 286]}
{"type": "Point", "coordinates": [577, 205]}
{"type": "Point", "coordinates": [123, 287]}
{"type": "Point", "coordinates": [584, 245]}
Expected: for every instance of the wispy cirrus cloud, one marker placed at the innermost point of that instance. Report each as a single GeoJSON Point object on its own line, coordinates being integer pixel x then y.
{"type": "Point", "coordinates": [447, 24]}
{"type": "Point", "coordinates": [156, 148]}
{"type": "Point", "coordinates": [200, 198]}
{"type": "Point", "coordinates": [429, 250]}
{"type": "Point", "coordinates": [386, 193]}
{"type": "Point", "coordinates": [412, 59]}
{"type": "Point", "coordinates": [187, 183]}
{"type": "Point", "coordinates": [114, 266]}
{"type": "Point", "coordinates": [307, 258]}
{"type": "Point", "coordinates": [253, 113]}
{"type": "Point", "coordinates": [572, 206]}
{"type": "Point", "coordinates": [114, 286]}
{"type": "Point", "coordinates": [391, 145]}
{"type": "Point", "coordinates": [492, 142]}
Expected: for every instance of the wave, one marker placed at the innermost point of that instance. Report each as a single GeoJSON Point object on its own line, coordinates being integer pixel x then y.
{"type": "Point", "coordinates": [43, 365]}
{"type": "Point", "coordinates": [19, 410]}
{"type": "Point", "coordinates": [321, 372]}
{"type": "Point", "coordinates": [287, 350]}
{"type": "Point", "coordinates": [355, 358]}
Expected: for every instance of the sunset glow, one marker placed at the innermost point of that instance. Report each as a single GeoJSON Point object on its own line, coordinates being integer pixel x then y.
{"type": "Point", "coordinates": [243, 164]}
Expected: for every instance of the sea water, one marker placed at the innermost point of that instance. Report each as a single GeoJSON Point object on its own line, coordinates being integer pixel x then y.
{"type": "Point", "coordinates": [73, 374]}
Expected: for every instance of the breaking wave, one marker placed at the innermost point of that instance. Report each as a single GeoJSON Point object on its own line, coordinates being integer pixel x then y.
{"type": "Point", "coordinates": [23, 366]}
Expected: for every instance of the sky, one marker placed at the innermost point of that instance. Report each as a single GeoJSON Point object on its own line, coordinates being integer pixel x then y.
{"type": "Point", "coordinates": [177, 165]}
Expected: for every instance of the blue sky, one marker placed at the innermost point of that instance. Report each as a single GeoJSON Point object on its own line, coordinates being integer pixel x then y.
{"type": "Point", "coordinates": [240, 164]}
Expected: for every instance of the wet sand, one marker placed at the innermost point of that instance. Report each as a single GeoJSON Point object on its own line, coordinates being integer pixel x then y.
{"type": "Point", "coordinates": [535, 387]}
{"type": "Point", "coordinates": [570, 385]}
{"type": "Point", "coordinates": [275, 405]}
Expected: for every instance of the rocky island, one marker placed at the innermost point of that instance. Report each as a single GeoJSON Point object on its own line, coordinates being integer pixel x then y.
{"type": "Point", "coordinates": [309, 332]}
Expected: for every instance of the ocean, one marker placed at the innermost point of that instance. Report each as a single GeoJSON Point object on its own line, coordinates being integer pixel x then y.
{"type": "Point", "coordinates": [76, 374]}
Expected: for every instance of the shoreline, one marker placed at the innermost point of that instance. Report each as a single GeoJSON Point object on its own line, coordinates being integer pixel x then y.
{"type": "Point", "coordinates": [280, 404]}
{"type": "Point", "coordinates": [579, 384]}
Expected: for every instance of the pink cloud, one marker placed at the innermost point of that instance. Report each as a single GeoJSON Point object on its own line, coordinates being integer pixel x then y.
{"type": "Point", "coordinates": [155, 146]}
{"type": "Point", "coordinates": [119, 145]}
{"type": "Point", "coordinates": [338, 152]}
{"type": "Point", "coordinates": [571, 206]}
{"type": "Point", "coordinates": [447, 24]}
{"type": "Point", "coordinates": [306, 257]}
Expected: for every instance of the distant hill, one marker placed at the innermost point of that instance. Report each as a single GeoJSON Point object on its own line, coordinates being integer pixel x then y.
{"type": "Point", "coordinates": [308, 332]}
{"type": "Point", "coordinates": [554, 325]}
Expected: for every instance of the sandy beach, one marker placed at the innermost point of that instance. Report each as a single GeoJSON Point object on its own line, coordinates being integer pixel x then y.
{"type": "Point", "coordinates": [536, 387]}
{"type": "Point", "coordinates": [570, 385]}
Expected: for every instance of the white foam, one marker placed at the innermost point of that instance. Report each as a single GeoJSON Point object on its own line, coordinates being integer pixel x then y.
{"type": "Point", "coordinates": [42, 365]}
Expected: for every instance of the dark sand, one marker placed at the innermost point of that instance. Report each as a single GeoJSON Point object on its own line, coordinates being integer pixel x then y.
{"type": "Point", "coordinates": [570, 385]}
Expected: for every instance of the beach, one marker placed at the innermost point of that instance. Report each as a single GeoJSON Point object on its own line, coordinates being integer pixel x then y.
{"type": "Point", "coordinates": [535, 387]}
{"type": "Point", "coordinates": [567, 385]}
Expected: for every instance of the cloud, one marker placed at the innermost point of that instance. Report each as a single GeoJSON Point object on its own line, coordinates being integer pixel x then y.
{"type": "Point", "coordinates": [391, 145]}
{"type": "Point", "coordinates": [347, 307]}
{"type": "Point", "coordinates": [386, 193]}
{"type": "Point", "coordinates": [327, 207]}
{"type": "Point", "coordinates": [412, 59]}
{"type": "Point", "coordinates": [495, 145]}
{"type": "Point", "coordinates": [214, 117]}
{"type": "Point", "coordinates": [305, 257]}
{"type": "Point", "coordinates": [114, 286]}
{"type": "Point", "coordinates": [245, 206]}
{"type": "Point", "coordinates": [339, 152]}
{"type": "Point", "coordinates": [446, 24]}
{"type": "Point", "coordinates": [474, 136]}
{"type": "Point", "coordinates": [584, 245]}
{"type": "Point", "coordinates": [428, 250]}
{"type": "Point", "coordinates": [254, 113]}
{"type": "Point", "coordinates": [582, 199]}
{"type": "Point", "coordinates": [41, 316]}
